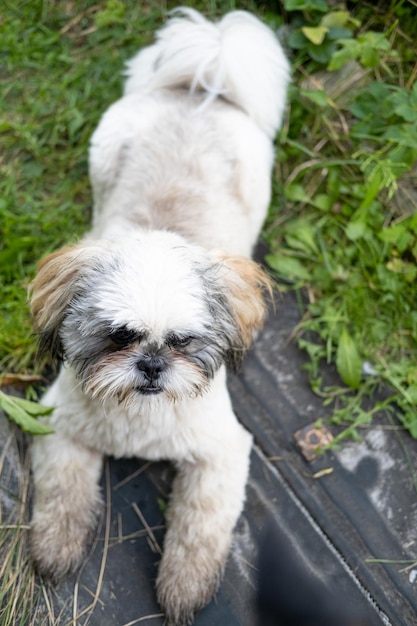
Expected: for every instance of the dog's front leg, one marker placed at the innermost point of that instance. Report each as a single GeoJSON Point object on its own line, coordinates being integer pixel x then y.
{"type": "Point", "coordinates": [67, 503]}
{"type": "Point", "coordinates": [207, 499]}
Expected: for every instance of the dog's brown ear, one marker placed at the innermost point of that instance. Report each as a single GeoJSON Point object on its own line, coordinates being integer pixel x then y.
{"type": "Point", "coordinates": [54, 286]}
{"type": "Point", "coordinates": [245, 286]}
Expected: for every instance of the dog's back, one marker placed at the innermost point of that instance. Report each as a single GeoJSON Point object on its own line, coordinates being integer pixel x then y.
{"type": "Point", "coordinates": [188, 148]}
{"type": "Point", "coordinates": [238, 59]}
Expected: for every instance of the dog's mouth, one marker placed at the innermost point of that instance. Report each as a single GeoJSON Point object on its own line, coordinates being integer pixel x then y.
{"type": "Point", "coordinates": [148, 391]}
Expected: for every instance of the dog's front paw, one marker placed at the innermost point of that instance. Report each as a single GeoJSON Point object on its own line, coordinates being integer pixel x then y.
{"type": "Point", "coordinates": [59, 538]}
{"type": "Point", "coordinates": [55, 551]}
{"type": "Point", "coordinates": [67, 503]}
{"type": "Point", "coordinates": [187, 581]}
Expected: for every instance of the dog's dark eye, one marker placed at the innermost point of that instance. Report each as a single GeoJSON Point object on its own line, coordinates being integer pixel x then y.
{"type": "Point", "coordinates": [123, 337]}
{"type": "Point", "coordinates": [179, 342]}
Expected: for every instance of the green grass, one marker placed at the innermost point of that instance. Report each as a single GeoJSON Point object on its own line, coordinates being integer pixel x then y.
{"type": "Point", "coordinates": [346, 231]}
{"type": "Point", "coordinates": [60, 71]}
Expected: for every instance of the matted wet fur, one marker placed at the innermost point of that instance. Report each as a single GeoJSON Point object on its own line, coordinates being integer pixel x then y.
{"type": "Point", "coordinates": [148, 310]}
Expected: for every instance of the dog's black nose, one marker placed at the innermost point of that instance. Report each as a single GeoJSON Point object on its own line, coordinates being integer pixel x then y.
{"type": "Point", "coordinates": [151, 367]}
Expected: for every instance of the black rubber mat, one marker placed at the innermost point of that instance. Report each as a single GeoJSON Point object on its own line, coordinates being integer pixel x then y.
{"type": "Point", "coordinates": [362, 499]}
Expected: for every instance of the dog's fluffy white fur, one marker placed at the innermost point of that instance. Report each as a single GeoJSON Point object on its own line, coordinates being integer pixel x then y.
{"type": "Point", "coordinates": [149, 309]}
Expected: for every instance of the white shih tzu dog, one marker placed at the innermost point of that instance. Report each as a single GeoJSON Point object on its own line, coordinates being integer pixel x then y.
{"type": "Point", "coordinates": [161, 295]}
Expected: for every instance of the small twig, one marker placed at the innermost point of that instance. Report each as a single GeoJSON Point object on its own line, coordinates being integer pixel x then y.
{"type": "Point", "coordinates": [92, 606]}
{"type": "Point", "coordinates": [48, 604]}
{"type": "Point", "coordinates": [77, 19]}
{"type": "Point", "coordinates": [300, 168]}
{"type": "Point", "coordinates": [92, 594]}
{"type": "Point", "coordinates": [135, 474]}
{"type": "Point", "coordinates": [75, 604]}
{"type": "Point", "coordinates": [142, 619]}
{"type": "Point", "coordinates": [14, 527]}
{"type": "Point", "coordinates": [152, 537]}
{"type": "Point", "coordinates": [119, 527]}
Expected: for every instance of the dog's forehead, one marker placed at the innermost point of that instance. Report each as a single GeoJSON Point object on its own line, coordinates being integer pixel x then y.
{"type": "Point", "coordinates": [154, 283]}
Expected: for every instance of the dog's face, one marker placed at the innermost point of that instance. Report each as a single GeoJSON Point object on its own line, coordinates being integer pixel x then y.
{"type": "Point", "coordinates": [146, 316]}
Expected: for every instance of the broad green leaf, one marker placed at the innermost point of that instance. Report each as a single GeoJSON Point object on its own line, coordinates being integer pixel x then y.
{"type": "Point", "coordinates": [336, 33]}
{"type": "Point", "coordinates": [376, 40]}
{"type": "Point", "coordinates": [348, 360]}
{"type": "Point", "coordinates": [33, 408]}
{"type": "Point", "coordinates": [16, 409]}
{"type": "Point", "coordinates": [407, 111]}
{"type": "Point", "coordinates": [301, 236]}
{"type": "Point", "coordinates": [296, 40]}
{"type": "Point", "coordinates": [322, 201]}
{"type": "Point", "coordinates": [369, 103]}
{"type": "Point", "coordinates": [288, 267]}
{"type": "Point", "coordinates": [335, 18]}
{"type": "Point", "coordinates": [355, 230]}
{"type": "Point", "coordinates": [350, 51]}
{"type": "Point", "coordinates": [296, 193]}
{"type": "Point", "coordinates": [369, 56]}
{"type": "Point", "coordinates": [318, 96]}
{"type": "Point", "coordinates": [321, 54]}
{"type": "Point", "coordinates": [315, 34]}
{"type": "Point", "coordinates": [340, 59]}
{"type": "Point", "coordinates": [404, 134]}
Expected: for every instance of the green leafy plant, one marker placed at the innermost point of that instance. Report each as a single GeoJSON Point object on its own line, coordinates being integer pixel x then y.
{"type": "Point", "coordinates": [24, 413]}
{"type": "Point", "coordinates": [347, 234]}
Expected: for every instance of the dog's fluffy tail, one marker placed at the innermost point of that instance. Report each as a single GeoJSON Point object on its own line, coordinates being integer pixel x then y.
{"type": "Point", "coordinates": [237, 58]}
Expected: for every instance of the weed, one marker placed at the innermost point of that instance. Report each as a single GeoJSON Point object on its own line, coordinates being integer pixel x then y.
{"type": "Point", "coordinates": [24, 413]}
{"type": "Point", "coordinates": [348, 232]}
